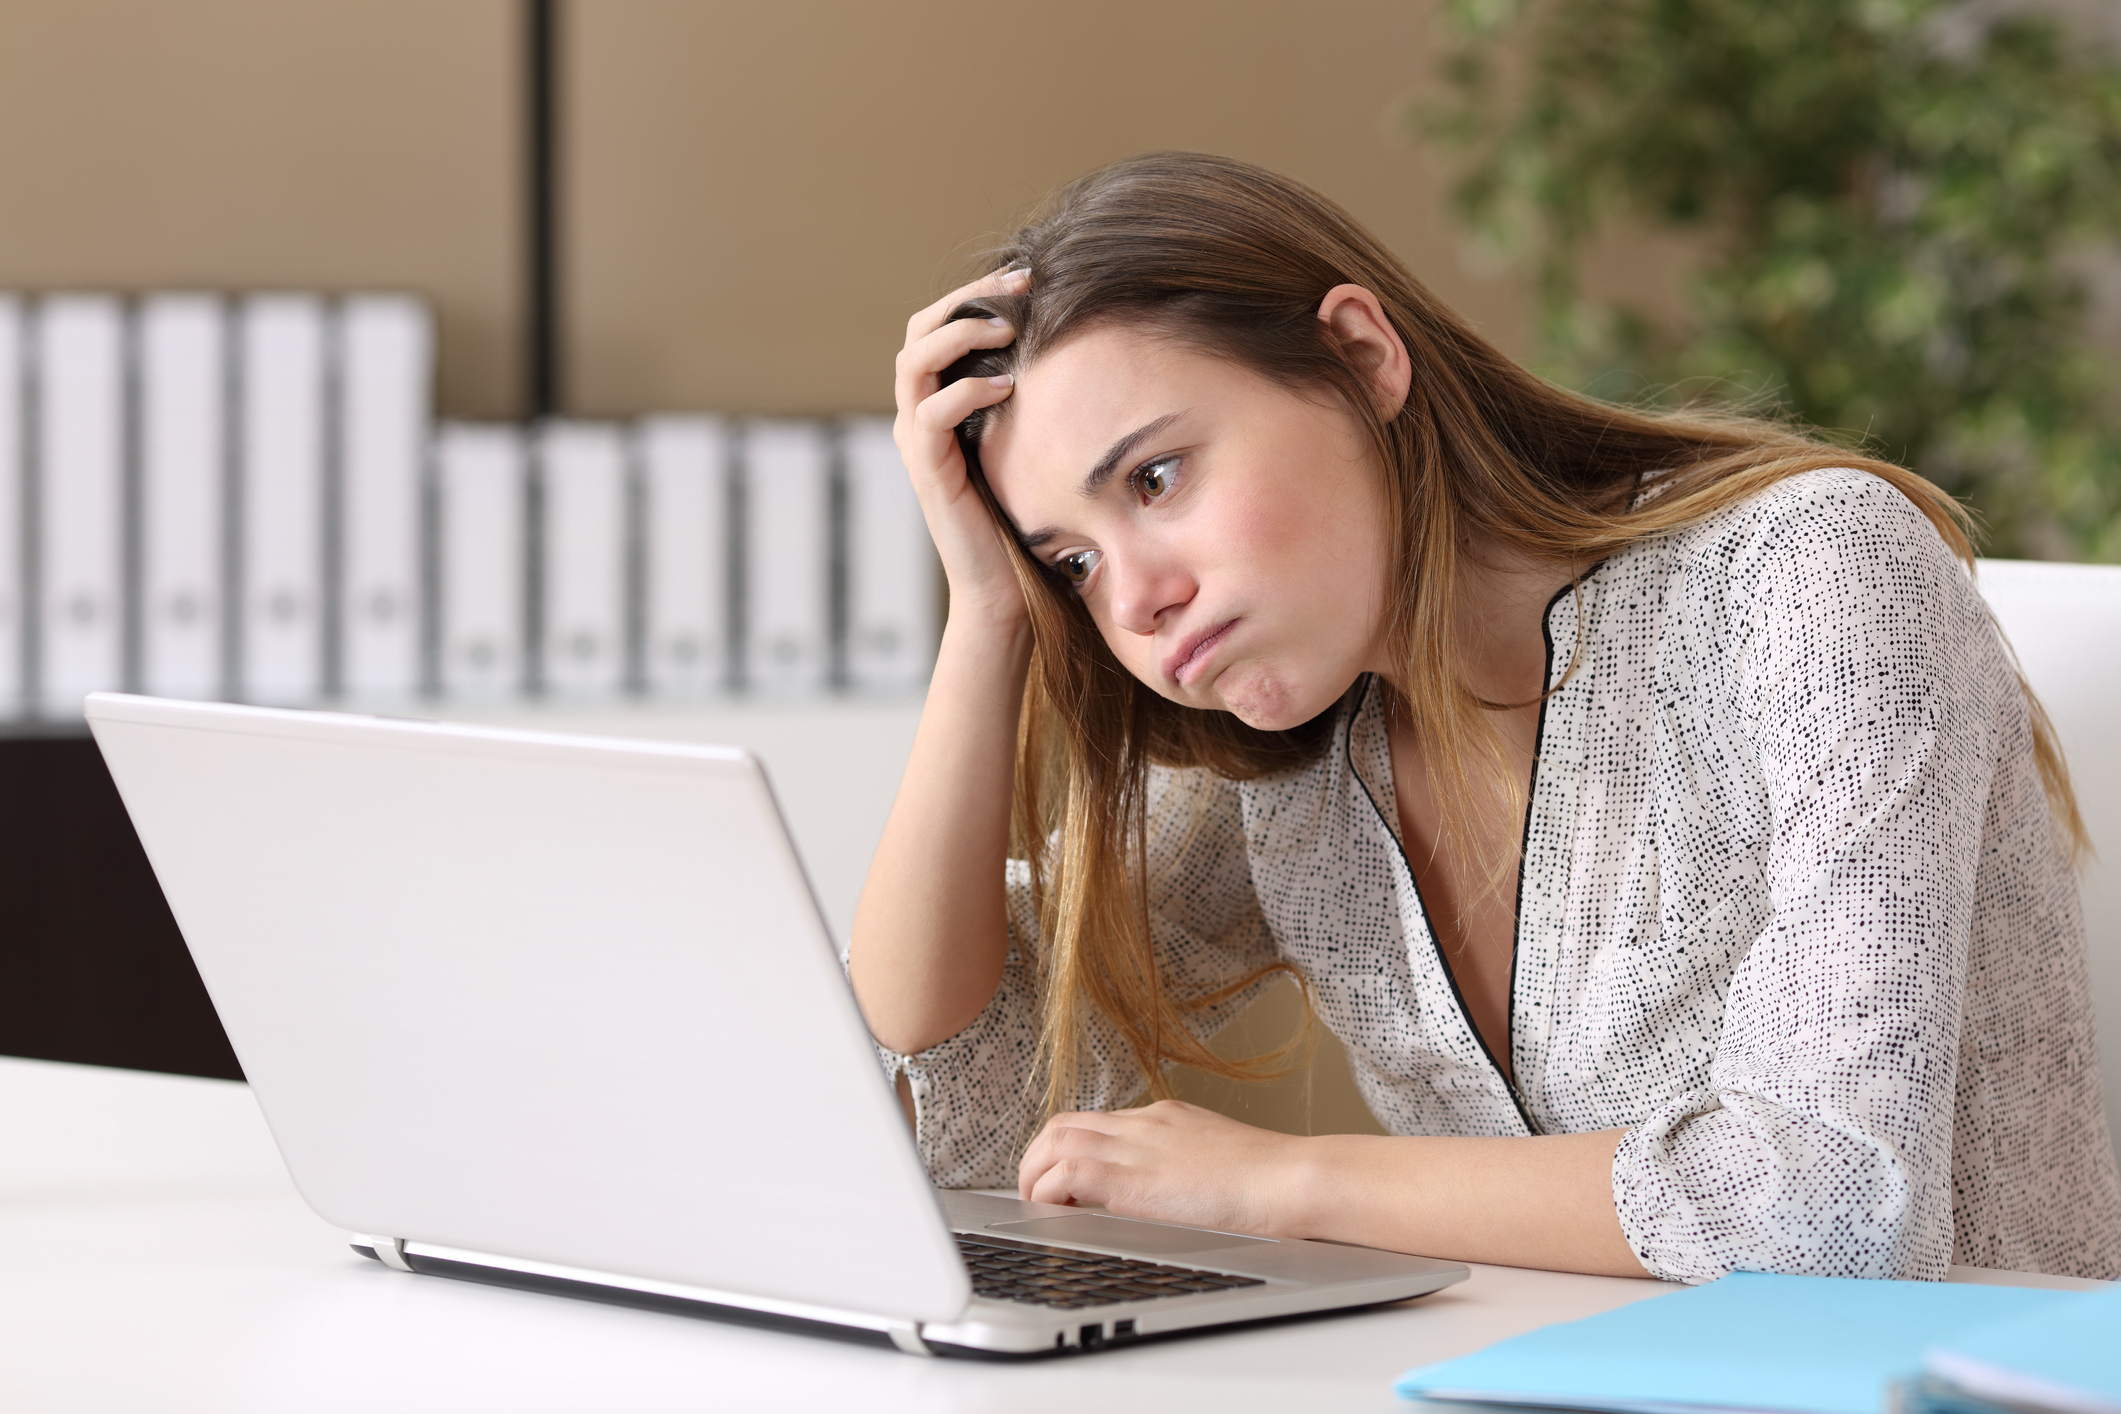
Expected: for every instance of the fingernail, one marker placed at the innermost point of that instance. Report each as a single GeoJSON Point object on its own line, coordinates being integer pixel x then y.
{"type": "Point", "coordinates": [998, 322]}
{"type": "Point", "coordinates": [1017, 277]}
{"type": "Point", "coordinates": [1001, 380]}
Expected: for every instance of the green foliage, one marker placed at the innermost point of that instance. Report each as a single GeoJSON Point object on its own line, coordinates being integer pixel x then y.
{"type": "Point", "coordinates": [1896, 200]}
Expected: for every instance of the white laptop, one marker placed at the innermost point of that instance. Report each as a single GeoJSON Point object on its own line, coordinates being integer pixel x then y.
{"type": "Point", "coordinates": [561, 1013]}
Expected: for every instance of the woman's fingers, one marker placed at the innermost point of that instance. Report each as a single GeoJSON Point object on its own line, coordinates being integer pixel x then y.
{"type": "Point", "coordinates": [934, 341]}
{"type": "Point", "coordinates": [935, 316]}
{"type": "Point", "coordinates": [1064, 1164]}
{"type": "Point", "coordinates": [1069, 1183]}
{"type": "Point", "coordinates": [1101, 1121]}
{"type": "Point", "coordinates": [920, 364]}
{"type": "Point", "coordinates": [975, 560]}
{"type": "Point", "coordinates": [1169, 1161]}
{"type": "Point", "coordinates": [939, 415]}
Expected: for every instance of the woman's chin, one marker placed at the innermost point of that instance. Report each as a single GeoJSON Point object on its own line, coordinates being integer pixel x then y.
{"type": "Point", "coordinates": [1268, 703]}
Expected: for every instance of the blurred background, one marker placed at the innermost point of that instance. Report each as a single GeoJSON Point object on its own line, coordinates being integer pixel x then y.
{"type": "Point", "coordinates": [1895, 219]}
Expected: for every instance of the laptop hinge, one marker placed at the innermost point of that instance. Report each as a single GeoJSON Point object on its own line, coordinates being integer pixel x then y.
{"type": "Point", "coordinates": [907, 1337]}
{"type": "Point", "coordinates": [390, 1251]}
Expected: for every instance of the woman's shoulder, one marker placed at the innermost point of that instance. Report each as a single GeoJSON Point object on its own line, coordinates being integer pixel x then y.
{"type": "Point", "coordinates": [1816, 510]}
{"type": "Point", "coordinates": [1837, 554]}
{"type": "Point", "coordinates": [1822, 499]}
{"type": "Point", "coordinates": [1809, 571]}
{"type": "Point", "coordinates": [1833, 531]}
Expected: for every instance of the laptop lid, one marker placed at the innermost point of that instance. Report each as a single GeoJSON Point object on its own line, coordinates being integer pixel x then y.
{"type": "Point", "coordinates": [557, 998]}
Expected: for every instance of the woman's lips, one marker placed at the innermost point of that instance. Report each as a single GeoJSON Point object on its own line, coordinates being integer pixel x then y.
{"type": "Point", "coordinates": [1192, 654]}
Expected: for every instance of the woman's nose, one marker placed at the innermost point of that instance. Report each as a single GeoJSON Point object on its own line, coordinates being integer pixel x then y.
{"type": "Point", "coordinates": [1145, 588]}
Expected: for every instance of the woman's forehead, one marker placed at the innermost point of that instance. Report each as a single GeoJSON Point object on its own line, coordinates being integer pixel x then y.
{"type": "Point", "coordinates": [1078, 399]}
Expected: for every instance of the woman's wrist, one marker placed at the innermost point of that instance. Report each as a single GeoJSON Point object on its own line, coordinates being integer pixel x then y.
{"type": "Point", "coordinates": [986, 623]}
{"type": "Point", "coordinates": [1322, 1180]}
{"type": "Point", "coordinates": [1303, 1178]}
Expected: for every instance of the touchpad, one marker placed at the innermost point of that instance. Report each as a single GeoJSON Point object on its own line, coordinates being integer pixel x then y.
{"type": "Point", "coordinates": [1131, 1233]}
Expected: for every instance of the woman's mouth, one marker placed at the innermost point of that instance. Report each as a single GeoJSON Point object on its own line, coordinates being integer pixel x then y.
{"type": "Point", "coordinates": [1191, 656]}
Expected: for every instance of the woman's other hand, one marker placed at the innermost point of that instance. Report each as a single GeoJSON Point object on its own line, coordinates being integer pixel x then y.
{"type": "Point", "coordinates": [975, 560]}
{"type": "Point", "coordinates": [931, 934]}
{"type": "Point", "coordinates": [1169, 1161]}
{"type": "Point", "coordinates": [1544, 1201]}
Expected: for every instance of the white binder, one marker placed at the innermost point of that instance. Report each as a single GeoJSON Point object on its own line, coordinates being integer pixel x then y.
{"type": "Point", "coordinates": [480, 469]}
{"type": "Point", "coordinates": [80, 461]}
{"type": "Point", "coordinates": [182, 403]}
{"type": "Point", "coordinates": [893, 577]}
{"type": "Point", "coordinates": [385, 386]}
{"type": "Point", "coordinates": [685, 506]}
{"type": "Point", "coordinates": [13, 368]}
{"type": "Point", "coordinates": [785, 466]}
{"type": "Point", "coordinates": [281, 452]}
{"type": "Point", "coordinates": [584, 467]}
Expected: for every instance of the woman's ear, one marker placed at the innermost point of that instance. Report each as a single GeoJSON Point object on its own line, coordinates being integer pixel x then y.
{"type": "Point", "coordinates": [1370, 343]}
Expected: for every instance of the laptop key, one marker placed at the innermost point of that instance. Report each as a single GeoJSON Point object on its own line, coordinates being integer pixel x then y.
{"type": "Point", "coordinates": [1064, 1280]}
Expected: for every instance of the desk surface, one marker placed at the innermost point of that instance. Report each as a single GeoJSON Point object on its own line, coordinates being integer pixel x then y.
{"type": "Point", "coordinates": [154, 1255]}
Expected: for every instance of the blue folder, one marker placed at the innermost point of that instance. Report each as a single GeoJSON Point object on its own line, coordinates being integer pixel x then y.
{"type": "Point", "coordinates": [1795, 1345]}
{"type": "Point", "coordinates": [2068, 1357]}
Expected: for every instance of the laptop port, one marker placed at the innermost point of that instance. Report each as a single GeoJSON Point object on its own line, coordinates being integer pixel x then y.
{"type": "Point", "coordinates": [1093, 1336]}
{"type": "Point", "coordinates": [1123, 1330]}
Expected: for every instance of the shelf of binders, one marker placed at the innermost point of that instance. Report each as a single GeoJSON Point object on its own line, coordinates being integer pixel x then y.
{"type": "Point", "coordinates": [248, 498]}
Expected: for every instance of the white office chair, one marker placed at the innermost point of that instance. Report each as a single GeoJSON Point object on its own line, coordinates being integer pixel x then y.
{"type": "Point", "coordinates": [2065, 622]}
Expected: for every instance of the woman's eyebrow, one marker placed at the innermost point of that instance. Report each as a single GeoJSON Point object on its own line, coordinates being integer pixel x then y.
{"type": "Point", "coordinates": [1102, 472]}
{"type": "Point", "coordinates": [1117, 453]}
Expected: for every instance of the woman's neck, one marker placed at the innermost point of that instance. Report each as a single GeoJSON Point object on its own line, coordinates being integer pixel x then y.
{"type": "Point", "coordinates": [1499, 622]}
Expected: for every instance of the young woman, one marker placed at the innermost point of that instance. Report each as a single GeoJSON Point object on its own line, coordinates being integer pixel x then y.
{"type": "Point", "coordinates": [1647, 801]}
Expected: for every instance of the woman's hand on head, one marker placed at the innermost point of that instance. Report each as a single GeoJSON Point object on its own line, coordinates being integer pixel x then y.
{"type": "Point", "coordinates": [982, 580]}
{"type": "Point", "coordinates": [1172, 1162]}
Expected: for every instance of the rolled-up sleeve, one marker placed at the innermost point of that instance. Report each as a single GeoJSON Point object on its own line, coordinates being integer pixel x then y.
{"type": "Point", "coordinates": [978, 1097]}
{"type": "Point", "coordinates": [1870, 684]}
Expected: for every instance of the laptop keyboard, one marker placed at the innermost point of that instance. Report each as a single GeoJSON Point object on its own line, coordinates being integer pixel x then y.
{"type": "Point", "coordinates": [1068, 1279]}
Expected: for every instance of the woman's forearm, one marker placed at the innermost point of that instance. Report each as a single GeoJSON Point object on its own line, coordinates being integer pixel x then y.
{"type": "Point", "coordinates": [1526, 1202]}
{"type": "Point", "coordinates": [1529, 1202]}
{"type": "Point", "coordinates": [931, 931]}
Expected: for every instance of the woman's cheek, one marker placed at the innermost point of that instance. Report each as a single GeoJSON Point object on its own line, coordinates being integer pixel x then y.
{"type": "Point", "coordinates": [1136, 654]}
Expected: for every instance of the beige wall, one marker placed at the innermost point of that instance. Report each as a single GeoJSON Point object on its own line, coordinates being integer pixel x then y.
{"type": "Point", "coordinates": [246, 143]}
{"type": "Point", "coordinates": [762, 193]}
{"type": "Point", "coordinates": [758, 194]}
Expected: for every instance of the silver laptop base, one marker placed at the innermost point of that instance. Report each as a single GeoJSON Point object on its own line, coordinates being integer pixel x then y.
{"type": "Point", "coordinates": [423, 1265]}
{"type": "Point", "coordinates": [1086, 1335]}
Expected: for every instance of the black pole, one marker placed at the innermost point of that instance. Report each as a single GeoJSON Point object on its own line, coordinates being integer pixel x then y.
{"type": "Point", "coordinates": [541, 323]}
{"type": "Point", "coordinates": [541, 353]}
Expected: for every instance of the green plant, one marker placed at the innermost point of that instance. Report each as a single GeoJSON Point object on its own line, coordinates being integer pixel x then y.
{"type": "Point", "coordinates": [1896, 204]}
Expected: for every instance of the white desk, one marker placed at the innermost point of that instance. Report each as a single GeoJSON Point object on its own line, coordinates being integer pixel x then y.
{"type": "Point", "coordinates": [155, 1257]}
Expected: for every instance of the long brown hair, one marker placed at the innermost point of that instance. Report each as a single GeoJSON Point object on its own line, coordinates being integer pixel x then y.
{"type": "Point", "coordinates": [1234, 261]}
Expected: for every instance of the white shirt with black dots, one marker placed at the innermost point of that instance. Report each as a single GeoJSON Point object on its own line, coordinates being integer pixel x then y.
{"type": "Point", "coordinates": [1792, 913]}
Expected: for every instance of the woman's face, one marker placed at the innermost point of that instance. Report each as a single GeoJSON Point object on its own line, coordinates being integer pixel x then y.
{"type": "Point", "coordinates": [1231, 538]}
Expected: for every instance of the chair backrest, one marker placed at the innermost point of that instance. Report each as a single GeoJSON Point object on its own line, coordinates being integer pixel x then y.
{"type": "Point", "coordinates": [2065, 623]}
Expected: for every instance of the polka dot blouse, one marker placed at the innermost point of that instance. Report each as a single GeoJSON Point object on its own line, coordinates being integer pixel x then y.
{"type": "Point", "coordinates": [1792, 914]}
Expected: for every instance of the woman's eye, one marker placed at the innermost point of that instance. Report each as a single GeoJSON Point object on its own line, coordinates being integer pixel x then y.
{"type": "Point", "coordinates": [1157, 477]}
{"type": "Point", "coordinates": [1076, 568]}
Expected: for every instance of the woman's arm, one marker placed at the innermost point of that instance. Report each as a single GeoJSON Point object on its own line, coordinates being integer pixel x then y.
{"type": "Point", "coordinates": [974, 1113]}
{"type": "Point", "coordinates": [931, 932]}
{"type": "Point", "coordinates": [1525, 1202]}
{"type": "Point", "coordinates": [1863, 676]}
